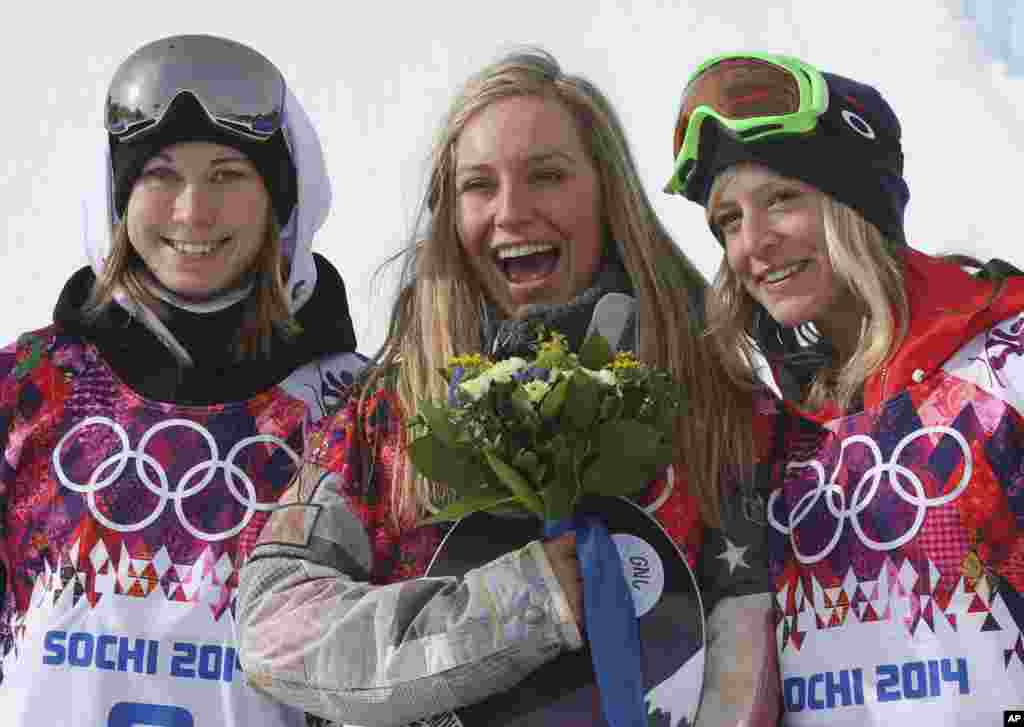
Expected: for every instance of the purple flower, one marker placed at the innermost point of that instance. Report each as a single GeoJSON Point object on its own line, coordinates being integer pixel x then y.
{"type": "Point", "coordinates": [534, 373]}
{"type": "Point", "coordinates": [458, 373]}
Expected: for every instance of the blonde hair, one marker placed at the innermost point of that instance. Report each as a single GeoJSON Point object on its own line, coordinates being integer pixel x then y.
{"type": "Point", "coordinates": [266, 308]}
{"type": "Point", "coordinates": [864, 262]}
{"type": "Point", "coordinates": [437, 313]}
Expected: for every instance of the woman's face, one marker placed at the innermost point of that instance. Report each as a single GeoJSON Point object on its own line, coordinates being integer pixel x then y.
{"type": "Point", "coordinates": [198, 216]}
{"type": "Point", "coordinates": [528, 203]}
{"type": "Point", "coordinates": [774, 236]}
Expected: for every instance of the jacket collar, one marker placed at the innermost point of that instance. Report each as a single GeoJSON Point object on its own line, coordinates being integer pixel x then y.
{"type": "Point", "coordinates": [948, 307]}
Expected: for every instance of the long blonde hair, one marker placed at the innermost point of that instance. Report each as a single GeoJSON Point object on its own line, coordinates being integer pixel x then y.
{"type": "Point", "coordinates": [266, 308]}
{"type": "Point", "coordinates": [437, 311]}
{"type": "Point", "coordinates": [863, 261]}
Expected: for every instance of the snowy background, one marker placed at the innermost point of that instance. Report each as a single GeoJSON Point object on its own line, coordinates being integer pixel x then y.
{"type": "Point", "coordinates": [377, 80]}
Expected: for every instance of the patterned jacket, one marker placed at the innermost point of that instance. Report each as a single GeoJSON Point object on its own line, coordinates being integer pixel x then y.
{"type": "Point", "coordinates": [333, 616]}
{"type": "Point", "coordinates": [123, 524]}
{"type": "Point", "coordinates": [896, 535]}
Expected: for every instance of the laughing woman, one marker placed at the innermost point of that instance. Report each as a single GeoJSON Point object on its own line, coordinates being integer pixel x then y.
{"type": "Point", "coordinates": [897, 525]}
{"type": "Point", "coordinates": [148, 430]}
{"type": "Point", "coordinates": [536, 213]}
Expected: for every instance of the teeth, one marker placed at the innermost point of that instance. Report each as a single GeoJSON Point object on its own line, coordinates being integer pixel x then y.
{"type": "Point", "coordinates": [776, 275]}
{"type": "Point", "coordinates": [194, 248]}
{"type": "Point", "coordinates": [529, 248]}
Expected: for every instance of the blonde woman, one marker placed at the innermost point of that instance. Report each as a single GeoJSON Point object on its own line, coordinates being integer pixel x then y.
{"type": "Point", "coordinates": [149, 429]}
{"type": "Point", "coordinates": [535, 214]}
{"type": "Point", "coordinates": [895, 536]}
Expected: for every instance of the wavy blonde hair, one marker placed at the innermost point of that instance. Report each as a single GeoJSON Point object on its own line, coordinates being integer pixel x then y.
{"type": "Point", "coordinates": [437, 313]}
{"type": "Point", "coordinates": [865, 263]}
{"type": "Point", "coordinates": [266, 308]}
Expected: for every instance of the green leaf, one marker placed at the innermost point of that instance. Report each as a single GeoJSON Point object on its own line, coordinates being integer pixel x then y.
{"type": "Point", "coordinates": [528, 462]}
{"type": "Point", "coordinates": [596, 353]}
{"type": "Point", "coordinates": [468, 505]}
{"type": "Point", "coordinates": [581, 402]}
{"type": "Point", "coordinates": [629, 455]}
{"type": "Point", "coordinates": [446, 465]}
{"type": "Point", "coordinates": [562, 490]}
{"type": "Point", "coordinates": [437, 419]}
{"type": "Point", "coordinates": [520, 401]}
{"type": "Point", "coordinates": [551, 405]}
{"type": "Point", "coordinates": [632, 401]}
{"type": "Point", "coordinates": [515, 482]}
{"type": "Point", "coordinates": [611, 407]}
{"type": "Point", "coordinates": [559, 499]}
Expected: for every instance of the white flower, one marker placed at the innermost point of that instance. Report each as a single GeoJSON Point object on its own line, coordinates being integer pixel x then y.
{"type": "Point", "coordinates": [603, 376]}
{"type": "Point", "coordinates": [536, 390]}
{"type": "Point", "coordinates": [502, 371]}
{"type": "Point", "coordinates": [476, 388]}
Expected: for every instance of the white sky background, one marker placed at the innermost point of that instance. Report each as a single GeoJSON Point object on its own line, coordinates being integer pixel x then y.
{"type": "Point", "coordinates": [377, 77]}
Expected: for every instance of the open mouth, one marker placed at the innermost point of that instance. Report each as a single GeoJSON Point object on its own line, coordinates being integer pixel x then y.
{"type": "Point", "coordinates": [196, 249]}
{"type": "Point", "coordinates": [528, 262]}
{"type": "Point", "coordinates": [780, 275]}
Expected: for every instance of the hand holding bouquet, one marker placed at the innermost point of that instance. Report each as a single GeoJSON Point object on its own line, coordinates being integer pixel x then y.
{"type": "Point", "coordinates": [541, 434]}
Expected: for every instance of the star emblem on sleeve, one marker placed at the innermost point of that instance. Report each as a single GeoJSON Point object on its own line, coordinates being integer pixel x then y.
{"type": "Point", "coordinates": [734, 555]}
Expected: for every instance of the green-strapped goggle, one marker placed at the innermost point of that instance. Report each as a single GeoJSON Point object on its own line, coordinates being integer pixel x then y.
{"type": "Point", "coordinates": [751, 96]}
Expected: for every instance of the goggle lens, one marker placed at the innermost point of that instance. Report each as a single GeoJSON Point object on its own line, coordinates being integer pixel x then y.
{"type": "Point", "coordinates": [240, 89]}
{"type": "Point", "coordinates": [736, 89]}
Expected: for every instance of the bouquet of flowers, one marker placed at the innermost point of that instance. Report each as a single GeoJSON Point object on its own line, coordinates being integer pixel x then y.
{"type": "Point", "coordinates": [541, 434]}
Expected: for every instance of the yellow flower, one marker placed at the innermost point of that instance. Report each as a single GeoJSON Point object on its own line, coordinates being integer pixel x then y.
{"type": "Point", "coordinates": [470, 361]}
{"type": "Point", "coordinates": [554, 343]}
{"type": "Point", "coordinates": [625, 360]}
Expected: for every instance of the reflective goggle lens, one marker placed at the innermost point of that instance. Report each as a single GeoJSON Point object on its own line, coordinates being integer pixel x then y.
{"type": "Point", "coordinates": [739, 88]}
{"type": "Point", "coordinates": [239, 89]}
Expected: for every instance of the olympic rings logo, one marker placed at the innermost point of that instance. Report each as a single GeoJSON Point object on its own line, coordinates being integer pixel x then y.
{"type": "Point", "coordinates": [865, 491]}
{"type": "Point", "coordinates": [109, 470]}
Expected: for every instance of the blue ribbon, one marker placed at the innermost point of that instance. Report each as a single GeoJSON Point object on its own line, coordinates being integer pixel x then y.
{"type": "Point", "coordinates": [611, 621]}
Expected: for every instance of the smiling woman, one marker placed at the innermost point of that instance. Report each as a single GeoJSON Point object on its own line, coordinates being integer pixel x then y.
{"type": "Point", "coordinates": [529, 203]}
{"type": "Point", "coordinates": [198, 217]}
{"type": "Point", "coordinates": [536, 217]}
{"type": "Point", "coordinates": [901, 444]}
{"type": "Point", "coordinates": [201, 342]}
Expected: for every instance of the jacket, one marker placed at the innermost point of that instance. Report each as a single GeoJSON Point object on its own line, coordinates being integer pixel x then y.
{"type": "Point", "coordinates": [335, 618]}
{"type": "Point", "coordinates": [896, 543]}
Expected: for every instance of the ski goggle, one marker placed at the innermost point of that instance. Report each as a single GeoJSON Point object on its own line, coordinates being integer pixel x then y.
{"type": "Point", "coordinates": [240, 90]}
{"type": "Point", "coordinates": [751, 96]}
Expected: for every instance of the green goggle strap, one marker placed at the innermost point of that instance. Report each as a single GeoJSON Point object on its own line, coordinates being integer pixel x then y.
{"type": "Point", "coordinates": [813, 103]}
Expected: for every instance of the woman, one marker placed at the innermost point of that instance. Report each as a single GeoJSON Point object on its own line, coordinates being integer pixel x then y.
{"type": "Point", "coordinates": [895, 543]}
{"type": "Point", "coordinates": [151, 427]}
{"type": "Point", "coordinates": [536, 213]}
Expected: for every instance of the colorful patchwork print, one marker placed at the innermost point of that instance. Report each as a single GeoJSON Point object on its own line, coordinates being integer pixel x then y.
{"type": "Point", "coordinates": [126, 521]}
{"type": "Point", "coordinates": [895, 541]}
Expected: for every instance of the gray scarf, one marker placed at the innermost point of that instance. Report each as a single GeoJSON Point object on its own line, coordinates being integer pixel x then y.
{"type": "Point", "coordinates": [607, 306]}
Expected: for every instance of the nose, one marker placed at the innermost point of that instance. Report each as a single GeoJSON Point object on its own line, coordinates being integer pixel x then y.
{"type": "Point", "coordinates": [514, 205]}
{"type": "Point", "coordinates": [196, 205]}
{"type": "Point", "coordinates": [757, 235]}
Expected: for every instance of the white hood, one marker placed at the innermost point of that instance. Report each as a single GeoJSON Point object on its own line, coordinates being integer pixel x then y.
{"type": "Point", "coordinates": [308, 215]}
